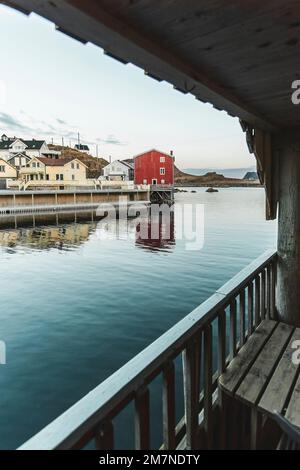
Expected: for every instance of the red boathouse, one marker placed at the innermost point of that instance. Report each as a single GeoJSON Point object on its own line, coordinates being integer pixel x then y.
{"type": "Point", "coordinates": [154, 167]}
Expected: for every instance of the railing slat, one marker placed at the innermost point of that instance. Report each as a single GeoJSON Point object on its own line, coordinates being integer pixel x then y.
{"type": "Point", "coordinates": [221, 342]}
{"type": "Point", "coordinates": [191, 356]}
{"type": "Point", "coordinates": [257, 301]}
{"type": "Point", "coordinates": [242, 318]}
{"type": "Point", "coordinates": [250, 308]}
{"type": "Point", "coordinates": [208, 384]}
{"type": "Point", "coordinates": [268, 313]}
{"type": "Point", "coordinates": [142, 419]}
{"type": "Point", "coordinates": [169, 420]}
{"type": "Point", "coordinates": [263, 295]}
{"type": "Point", "coordinates": [232, 328]}
{"type": "Point", "coordinates": [104, 436]}
{"type": "Point", "coordinates": [272, 294]}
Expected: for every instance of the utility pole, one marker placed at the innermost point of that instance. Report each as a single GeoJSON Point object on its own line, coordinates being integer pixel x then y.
{"type": "Point", "coordinates": [62, 142]}
{"type": "Point", "coordinates": [78, 138]}
{"type": "Point", "coordinates": [97, 155]}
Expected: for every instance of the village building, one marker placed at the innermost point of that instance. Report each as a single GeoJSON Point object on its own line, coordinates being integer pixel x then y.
{"type": "Point", "coordinates": [7, 172]}
{"type": "Point", "coordinates": [119, 170]}
{"type": "Point", "coordinates": [19, 160]}
{"type": "Point", "coordinates": [10, 146]}
{"type": "Point", "coordinates": [82, 148]}
{"type": "Point", "coordinates": [49, 169]}
{"type": "Point", "coordinates": [154, 167]}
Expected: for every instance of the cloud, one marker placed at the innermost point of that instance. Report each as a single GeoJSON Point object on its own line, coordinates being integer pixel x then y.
{"type": "Point", "coordinates": [112, 140]}
{"type": "Point", "coordinates": [28, 126]}
{"type": "Point", "coordinates": [13, 123]}
{"type": "Point", "coordinates": [61, 121]}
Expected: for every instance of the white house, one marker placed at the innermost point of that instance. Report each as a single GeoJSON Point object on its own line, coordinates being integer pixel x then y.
{"type": "Point", "coordinates": [82, 148]}
{"type": "Point", "coordinates": [10, 146]}
{"type": "Point", "coordinates": [119, 170]}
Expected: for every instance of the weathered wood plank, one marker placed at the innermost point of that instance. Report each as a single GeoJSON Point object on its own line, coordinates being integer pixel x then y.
{"type": "Point", "coordinates": [279, 387]}
{"type": "Point", "coordinates": [142, 420]}
{"type": "Point", "coordinates": [239, 366]}
{"type": "Point", "coordinates": [255, 380]}
{"type": "Point", "coordinates": [293, 410]}
{"type": "Point", "coordinates": [169, 420]}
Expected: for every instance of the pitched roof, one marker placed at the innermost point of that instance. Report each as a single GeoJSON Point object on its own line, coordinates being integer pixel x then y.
{"type": "Point", "coordinates": [30, 144]}
{"type": "Point", "coordinates": [20, 154]}
{"type": "Point", "coordinates": [54, 161]}
{"type": "Point", "coordinates": [81, 147]}
{"type": "Point", "coordinates": [153, 150]}
{"type": "Point", "coordinates": [58, 161]}
{"type": "Point", "coordinates": [129, 162]}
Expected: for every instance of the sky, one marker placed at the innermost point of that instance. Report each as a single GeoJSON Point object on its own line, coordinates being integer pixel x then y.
{"type": "Point", "coordinates": [52, 86]}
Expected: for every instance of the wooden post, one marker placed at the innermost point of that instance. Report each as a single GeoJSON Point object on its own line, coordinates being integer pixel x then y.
{"type": "Point", "coordinates": [287, 145]}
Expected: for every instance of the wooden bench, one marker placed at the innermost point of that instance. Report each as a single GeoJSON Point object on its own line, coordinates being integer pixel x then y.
{"type": "Point", "coordinates": [263, 375]}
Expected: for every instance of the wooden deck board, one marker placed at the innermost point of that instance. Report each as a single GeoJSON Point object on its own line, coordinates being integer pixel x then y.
{"type": "Point", "coordinates": [293, 410]}
{"type": "Point", "coordinates": [279, 387]}
{"type": "Point", "coordinates": [256, 379]}
{"type": "Point", "coordinates": [239, 366]}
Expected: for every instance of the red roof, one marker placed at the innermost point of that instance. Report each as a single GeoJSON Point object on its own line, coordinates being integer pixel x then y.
{"type": "Point", "coordinates": [55, 161]}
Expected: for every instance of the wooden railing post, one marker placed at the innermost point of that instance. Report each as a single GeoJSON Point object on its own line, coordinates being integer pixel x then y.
{"type": "Point", "coordinates": [142, 419]}
{"type": "Point", "coordinates": [191, 366]}
{"type": "Point", "coordinates": [169, 407]}
{"type": "Point", "coordinates": [104, 436]}
{"type": "Point", "coordinates": [208, 385]}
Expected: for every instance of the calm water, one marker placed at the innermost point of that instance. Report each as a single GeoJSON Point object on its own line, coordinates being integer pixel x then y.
{"type": "Point", "coordinates": [75, 305]}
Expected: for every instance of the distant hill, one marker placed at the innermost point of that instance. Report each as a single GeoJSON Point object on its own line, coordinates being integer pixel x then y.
{"type": "Point", "coordinates": [211, 178]}
{"type": "Point", "coordinates": [228, 172]}
{"type": "Point", "coordinates": [94, 164]}
{"type": "Point", "coordinates": [251, 175]}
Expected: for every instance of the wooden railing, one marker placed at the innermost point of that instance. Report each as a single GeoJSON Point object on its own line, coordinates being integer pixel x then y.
{"type": "Point", "coordinates": [206, 340]}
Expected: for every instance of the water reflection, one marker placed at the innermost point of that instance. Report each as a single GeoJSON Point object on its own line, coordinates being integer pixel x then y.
{"type": "Point", "coordinates": [69, 231]}
{"type": "Point", "coordinates": [160, 234]}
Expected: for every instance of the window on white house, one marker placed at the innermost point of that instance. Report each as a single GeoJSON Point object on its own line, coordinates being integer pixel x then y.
{"type": "Point", "coordinates": [77, 166]}
{"type": "Point", "coordinates": [162, 171]}
{"type": "Point", "coordinates": [2, 168]}
{"type": "Point", "coordinates": [73, 177]}
{"type": "Point", "coordinates": [162, 159]}
{"type": "Point", "coordinates": [34, 165]}
{"type": "Point", "coordinates": [17, 161]}
{"type": "Point", "coordinates": [72, 166]}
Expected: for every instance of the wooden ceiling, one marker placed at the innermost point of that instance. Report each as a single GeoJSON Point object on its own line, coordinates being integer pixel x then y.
{"type": "Point", "coordinates": [240, 55]}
